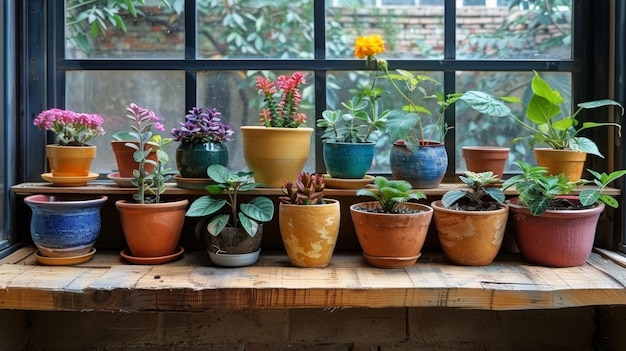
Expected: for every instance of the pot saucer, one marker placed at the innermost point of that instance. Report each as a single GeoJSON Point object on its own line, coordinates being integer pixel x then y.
{"type": "Point", "coordinates": [391, 262]}
{"type": "Point", "coordinates": [122, 182]}
{"type": "Point", "coordinates": [192, 183]}
{"type": "Point", "coordinates": [151, 260]}
{"type": "Point", "coordinates": [64, 261]}
{"type": "Point", "coordinates": [69, 181]}
{"type": "Point", "coordinates": [344, 183]}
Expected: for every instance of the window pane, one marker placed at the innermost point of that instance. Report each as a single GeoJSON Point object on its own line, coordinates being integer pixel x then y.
{"type": "Point", "coordinates": [3, 186]}
{"type": "Point", "coordinates": [474, 129]}
{"type": "Point", "coordinates": [105, 29]}
{"type": "Point", "coordinates": [409, 33]}
{"type": "Point", "coordinates": [344, 85]}
{"type": "Point", "coordinates": [108, 93]}
{"type": "Point", "coordinates": [542, 31]}
{"type": "Point", "coordinates": [255, 29]}
{"type": "Point", "coordinates": [233, 94]}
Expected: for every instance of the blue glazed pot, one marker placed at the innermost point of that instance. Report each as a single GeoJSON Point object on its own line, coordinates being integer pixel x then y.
{"type": "Point", "coordinates": [423, 168]}
{"type": "Point", "coordinates": [348, 160]}
{"type": "Point", "coordinates": [192, 159]}
{"type": "Point", "coordinates": [64, 228]}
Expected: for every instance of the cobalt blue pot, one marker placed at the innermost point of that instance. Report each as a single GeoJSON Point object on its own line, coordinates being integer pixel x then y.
{"type": "Point", "coordinates": [348, 160]}
{"type": "Point", "coordinates": [192, 159]}
{"type": "Point", "coordinates": [63, 227]}
{"type": "Point", "coordinates": [423, 168]}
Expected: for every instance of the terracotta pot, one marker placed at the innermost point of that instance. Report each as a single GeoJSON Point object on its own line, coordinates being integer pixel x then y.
{"type": "Point", "coordinates": [70, 161]}
{"type": "Point", "coordinates": [275, 154]}
{"type": "Point", "coordinates": [555, 238]}
{"type": "Point", "coordinates": [124, 158]}
{"type": "Point", "coordinates": [486, 159]}
{"type": "Point", "coordinates": [391, 240]}
{"type": "Point", "coordinates": [423, 168]}
{"type": "Point", "coordinates": [470, 238]}
{"type": "Point", "coordinates": [310, 232]}
{"type": "Point", "coordinates": [152, 230]}
{"type": "Point", "coordinates": [569, 162]}
{"type": "Point", "coordinates": [234, 247]}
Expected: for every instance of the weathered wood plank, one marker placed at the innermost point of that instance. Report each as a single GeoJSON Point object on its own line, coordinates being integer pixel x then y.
{"type": "Point", "coordinates": [107, 283]}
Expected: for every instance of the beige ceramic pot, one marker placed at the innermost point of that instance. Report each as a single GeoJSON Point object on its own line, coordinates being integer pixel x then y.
{"type": "Point", "coordinates": [470, 238]}
{"type": "Point", "coordinates": [310, 232]}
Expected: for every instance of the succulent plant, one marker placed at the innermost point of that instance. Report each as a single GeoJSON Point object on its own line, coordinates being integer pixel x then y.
{"type": "Point", "coordinates": [308, 190]}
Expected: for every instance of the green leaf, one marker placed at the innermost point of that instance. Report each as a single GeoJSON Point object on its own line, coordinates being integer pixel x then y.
{"type": "Point", "coordinates": [588, 197]}
{"type": "Point", "coordinates": [449, 198]}
{"type": "Point", "coordinates": [495, 193]}
{"type": "Point", "coordinates": [259, 208]}
{"type": "Point", "coordinates": [485, 103]}
{"type": "Point", "coordinates": [585, 145]}
{"type": "Point", "coordinates": [217, 224]}
{"type": "Point", "coordinates": [541, 88]}
{"type": "Point", "coordinates": [600, 103]}
{"type": "Point", "coordinates": [541, 110]}
{"type": "Point", "coordinates": [218, 173]}
{"type": "Point", "coordinates": [609, 200]}
{"type": "Point", "coordinates": [204, 206]}
{"type": "Point", "coordinates": [249, 225]}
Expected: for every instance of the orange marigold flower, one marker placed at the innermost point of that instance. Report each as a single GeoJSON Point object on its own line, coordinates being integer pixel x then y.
{"type": "Point", "coordinates": [368, 45]}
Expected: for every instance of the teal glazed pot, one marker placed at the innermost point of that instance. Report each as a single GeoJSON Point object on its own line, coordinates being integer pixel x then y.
{"type": "Point", "coordinates": [423, 168]}
{"type": "Point", "coordinates": [192, 159]}
{"type": "Point", "coordinates": [348, 160]}
{"type": "Point", "coordinates": [64, 227]}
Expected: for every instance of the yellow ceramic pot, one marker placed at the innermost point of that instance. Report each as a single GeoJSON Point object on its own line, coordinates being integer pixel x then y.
{"type": "Point", "coordinates": [70, 161]}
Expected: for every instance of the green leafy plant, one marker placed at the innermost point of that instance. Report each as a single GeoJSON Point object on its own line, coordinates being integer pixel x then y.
{"type": "Point", "coordinates": [602, 180]}
{"type": "Point", "coordinates": [545, 120]}
{"type": "Point", "coordinates": [247, 215]}
{"type": "Point", "coordinates": [142, 121]}
{"type": "Point", "coordinates": [479, 185]}
{"type": "Point", "coordinates": [361, 123]}
{"type": "Point", "coordinates": [308, 190]}
{"type": "Point", "coordinates": [391, 194]}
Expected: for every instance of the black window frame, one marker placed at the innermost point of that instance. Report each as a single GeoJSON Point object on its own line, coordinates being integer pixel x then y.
{"type": "Point", "coordinates": [41, 66]}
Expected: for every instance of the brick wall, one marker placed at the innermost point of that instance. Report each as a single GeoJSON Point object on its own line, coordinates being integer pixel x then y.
{"type": "Point", "coordinates": [397, 329]}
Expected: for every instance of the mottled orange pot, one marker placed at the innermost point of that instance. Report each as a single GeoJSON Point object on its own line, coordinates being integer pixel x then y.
{"type": "Point", "coordinates": [310, 232]}
{"type": "Point", "coordinates": [569, 162]}
{"type": "Point", "coordinates": [470, 238]}
{"type": "Point", "coordinates": [152, 230]}
{"type": "Point", "coordinates": [124, 158]}
{"type": "Point", "coordinates": [70, 161]}
{"type": "Point", "coordinates": [486, 159]}
{"type": "Point", "coordinates": [391, 240]}
{"type": "Point", "coordinates": [275, 154]}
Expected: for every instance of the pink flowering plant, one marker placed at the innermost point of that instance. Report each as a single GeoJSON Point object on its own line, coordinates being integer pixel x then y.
{"type": "Point", "coordinates": [283, 99]}
{"type": "Point", "coordinates": [71, 128]}
{"type": "Point", "coordinates": [203, 126]}
{"type": "Point", "coordinates": [153, 183]}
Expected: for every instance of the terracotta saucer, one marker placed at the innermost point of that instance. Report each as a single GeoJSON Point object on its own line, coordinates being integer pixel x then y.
{"type": "Point", "coordinates": [151, 260]}
{"type": "Point", "coordinates": [64, 261]}
{"type": "Point", "coordinates": [192, 183]}
{"type": "Point", "coordinates": [122, 182]}
{"type": "Point", "coordinates": [341, 183]}
{"type": "Point", "coordinates": [69, 181]}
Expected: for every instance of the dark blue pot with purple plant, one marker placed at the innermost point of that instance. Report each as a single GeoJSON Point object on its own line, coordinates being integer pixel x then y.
{"type": "Point", "coordinates": [193, 159]}
{"type": "Point", "coordinates": [64, 226]}
{"type": "Point", "coordinates": [423, 167]}
{"type": "Point", "coordinates": [202, 142]}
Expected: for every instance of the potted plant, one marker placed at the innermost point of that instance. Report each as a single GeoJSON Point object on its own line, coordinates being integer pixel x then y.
{"type": "Point", "coordinates": [151, 227]}
{"type": "Point", "coordinates": [549, 125]}
{"type": "Point", "coordinates": [70, 158]}
{"type": "Point", "coordinates": [391, 230]}
{"type": "Point", "coordinates": [309, 222]}
{"type": "Point", "coordinates": [278, 150]}
{"type": "Point", "coordinates": [551, 228]}
{"type": "Point", "coordinates": [233, 238]}
{"type": "Point", "coordinates": [471, 229]}
{"type": "Point", "coordinates": [349, 138]}
{"type": "Point", "coordinates": [202, 142]}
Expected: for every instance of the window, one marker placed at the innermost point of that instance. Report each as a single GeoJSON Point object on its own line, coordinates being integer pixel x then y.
{"type": "Point", "coordinates": [3, 178]}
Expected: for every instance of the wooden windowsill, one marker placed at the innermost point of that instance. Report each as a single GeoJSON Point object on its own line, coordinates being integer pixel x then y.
{"type": "Point", "coordinates": [107, 283]}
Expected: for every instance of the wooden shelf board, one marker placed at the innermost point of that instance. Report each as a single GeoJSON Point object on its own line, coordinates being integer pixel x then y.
{"type": "Point", "coordinates": [108, 283]}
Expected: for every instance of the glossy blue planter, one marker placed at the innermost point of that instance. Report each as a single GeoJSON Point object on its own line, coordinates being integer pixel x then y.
{"type": "Point", "coordinates": [348, 160]}
{"type": "Point", "coordinates": [192, 159]}
{"type": "Point", "coordinates": [64, 228]}
{"type": "Point", "coordinates": [423, 168]}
